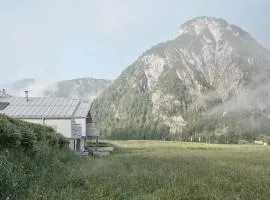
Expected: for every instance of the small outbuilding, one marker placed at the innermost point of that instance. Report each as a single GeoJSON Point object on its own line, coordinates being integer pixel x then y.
{"type": "Point", "coordinates": [69, 117]}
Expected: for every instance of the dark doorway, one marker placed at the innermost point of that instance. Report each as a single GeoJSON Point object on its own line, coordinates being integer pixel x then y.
{"type": "Point", "coordinates": [78, 145]}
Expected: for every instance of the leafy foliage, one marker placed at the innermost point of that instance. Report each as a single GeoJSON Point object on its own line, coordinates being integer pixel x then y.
{"type": "Point", "coordinates": [23, 135]}
{"type": "Point", "coordinates": [30, 155]}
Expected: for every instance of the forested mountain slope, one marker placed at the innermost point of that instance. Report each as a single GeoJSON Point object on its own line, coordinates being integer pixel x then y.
{"type": "Point", "coordinates": [212, 77]}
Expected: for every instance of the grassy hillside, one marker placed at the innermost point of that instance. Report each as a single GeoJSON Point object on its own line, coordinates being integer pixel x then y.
{"type": "Point", "coordinates": [136, 170]}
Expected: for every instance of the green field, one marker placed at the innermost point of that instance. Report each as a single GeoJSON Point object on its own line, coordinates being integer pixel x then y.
{"type": "Point", "coordinates": [148, 170]}
{"type": "Point", "coordinates": [172, 170]}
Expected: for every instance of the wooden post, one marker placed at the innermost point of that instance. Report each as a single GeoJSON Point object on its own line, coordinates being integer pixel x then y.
{"type": "Point", "coordinates": [96, 140]}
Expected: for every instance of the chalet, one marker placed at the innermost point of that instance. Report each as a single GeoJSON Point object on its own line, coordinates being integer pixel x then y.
{"type": "Point", "coordinates": [70, 117]}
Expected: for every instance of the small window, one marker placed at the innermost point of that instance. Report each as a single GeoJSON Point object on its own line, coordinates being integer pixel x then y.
{"type": "Point", "coordinates": [3, 105]}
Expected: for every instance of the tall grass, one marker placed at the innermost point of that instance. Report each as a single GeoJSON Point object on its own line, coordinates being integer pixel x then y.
{"type": "Point", "coordinates": [31, 156]}
{"type": "Point", "coordinates": [136, 170]}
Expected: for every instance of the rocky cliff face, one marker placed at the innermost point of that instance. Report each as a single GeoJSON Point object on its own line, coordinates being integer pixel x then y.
{"type": "Point", "coordinates": [206, 70]}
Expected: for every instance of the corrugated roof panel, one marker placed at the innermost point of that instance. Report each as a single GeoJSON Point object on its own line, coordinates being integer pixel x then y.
{"type": "Point", "coordinates": [83, 110]}
{"type": "Point", "coordinates": [44, 101]}
{"type": "Point", "coordinates": [53, 111]}
{"type": "Point", "coordinates": [57, 110]}
{"type": "Point", "coordinates": [31, 110]}
{"type": "Point", "coordinates": [54, 101]}
{"type": "Point", "coordinates": [64, 111]}
{"type": "Point", "coordinates": [18, 110]}
{"type": "Point", "coordinates": [36, 109]}
{"type": "Point", "coordinates": [38, 101]}
{"type": "Point", "coordinates": [51, 101]}
{"type": "Point", "coordinates": [48, 111]}
{"type": "Point", "coordinates": [16, 101]}
{"type": "Point", "coordinates": [11, 109]}
{"type": "Point", "coordinates": [25, 111]}
{"type": "Point", "coordinates": [61, 101]}
{"type": "Point", "coordinates": [13, 100]}
{"type": "Point", "coordinates": [71, 109]}
{"type": "Point", "coordinates": [32, 101]}
{"type": "Point", "coordinates": [22, 101]}
{"type": "Point", "coordinates": [43, 107]}
{"type": "Point", "coordinates": [41, 111]}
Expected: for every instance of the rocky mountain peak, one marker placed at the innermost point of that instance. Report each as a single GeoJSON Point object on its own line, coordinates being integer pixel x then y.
{"type": "Point", "coordinates": [217, 27]}
{"type": "Point", "coordinates": [208, 64]}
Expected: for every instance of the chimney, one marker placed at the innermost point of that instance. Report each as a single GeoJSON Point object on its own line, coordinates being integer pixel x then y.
{"type": "Point", "coordinates": [26, 95]}
{"type": "Point", "coordinates": [4, 91]}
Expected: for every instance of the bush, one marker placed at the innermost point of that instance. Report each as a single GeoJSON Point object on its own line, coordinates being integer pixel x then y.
{"type": "Point", "coordinates": [9, 135]}
{"type": "Point", "coordinates": [264, 138]}
{"type": "Point", "coordinates": [24, 135]}
{"type": "Point", "coordinates": [100, 144]}
{"type": "Point", "coordinates": [243, 142]}
{"type": "Point", "coordinates": [32, 158]}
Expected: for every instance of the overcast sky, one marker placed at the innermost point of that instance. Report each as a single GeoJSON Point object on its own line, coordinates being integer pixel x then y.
{"type": "Point", "coordinates": [64, 39]}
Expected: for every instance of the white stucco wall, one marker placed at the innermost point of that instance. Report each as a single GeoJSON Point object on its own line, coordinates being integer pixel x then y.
{"type": "Point", "coordinates": [35, 121]}
{"type": "Point", "coordinates": [62, 126]}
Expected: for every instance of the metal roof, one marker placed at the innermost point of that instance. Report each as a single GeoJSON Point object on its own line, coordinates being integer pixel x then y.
{"type": "Point", "coordinates": [82, 110]}
{"type": "Point", "coordinates": [44, 107]}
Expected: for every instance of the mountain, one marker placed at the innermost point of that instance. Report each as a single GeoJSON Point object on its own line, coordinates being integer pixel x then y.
{"type": "Point", "coordinates": [212, 78]}
{"type": "Point", "coordinates": [82, 88]}
{"type": "Point", "coordinates": [17, 88]}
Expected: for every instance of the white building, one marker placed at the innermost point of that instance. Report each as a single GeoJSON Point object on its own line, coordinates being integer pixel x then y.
{"type": "Point", "coordinates": [70, 117]}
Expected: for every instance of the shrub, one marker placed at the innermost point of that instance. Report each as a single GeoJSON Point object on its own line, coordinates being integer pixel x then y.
{"type": "Point", "coordinates": [243, 142]}
{"type": "Point", "coordinates": [9, 135]}
{"type": "Point", "coordinates": [28, 139]}
{"type": "Point", "coordinates": [24, 135]}
{"type": "Point", "coordinates": [100, 144]}
{"type": "Point", "coordinates": [31, 156]}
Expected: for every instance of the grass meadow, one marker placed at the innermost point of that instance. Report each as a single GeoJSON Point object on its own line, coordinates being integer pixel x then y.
{"type": "Point", "coordinates": [148, 170]}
